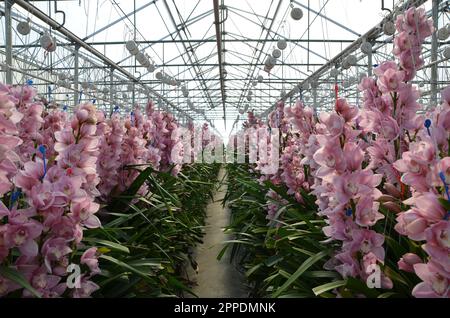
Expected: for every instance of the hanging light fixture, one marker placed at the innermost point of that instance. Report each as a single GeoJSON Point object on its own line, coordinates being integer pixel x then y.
{"type": "Point", "coordinates": [345, 64]}
{"type": "Point", "coordinates": [282, 44]}
{"type": "Point", "coordinates": [446, 52]}
{"type": "Point", "coordinates": [62, 76]}
{"type": "Point", "coordinates": [351, 60]}
{"type": "Point", "coordinates": [334, 72]}
{"type": "Point", "coordinates": [23, 27]}
{"type": "Point", "coordinates": [389, 28]}
{"type": "Point", "coordinates": [366, 47]}
{"type": "Point", "coordinates": [296, 14]}
{"type": "Point", "coordinates": [276, 53]}
{"type": "Point", "coordinates": [48, 42]}
{"type": "Point", "coordinates": [132, 47]}
{"type": "Point", "coordinates": [443, 33]}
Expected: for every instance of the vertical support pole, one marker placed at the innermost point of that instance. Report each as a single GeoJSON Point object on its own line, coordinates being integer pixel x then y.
{"type": "Point", "coordinates": [434, 55]}
{"type": "Point", "coordinates": [111, 93]}
{"type": "Point", "coordinates": [369, 64]}
{"type": "Point", "coordinates": [134, 96]}
{"type": "Point", "coordinates": [76, 75]}
{"type": "Point", "coordinates": [314, 91]}
{"type": "Point", "coordinates": [8, 38]}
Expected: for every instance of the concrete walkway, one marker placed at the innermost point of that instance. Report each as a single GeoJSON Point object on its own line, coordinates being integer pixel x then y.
{"type": "Point", "coordinates": [216, 279]}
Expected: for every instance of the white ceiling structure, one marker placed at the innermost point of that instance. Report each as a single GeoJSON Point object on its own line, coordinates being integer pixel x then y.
{"type": "Point", "coordinates": [210, 53]}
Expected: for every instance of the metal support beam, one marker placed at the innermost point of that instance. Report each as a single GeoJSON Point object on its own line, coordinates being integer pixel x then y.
{"type": "Point", "coordinates": [111, 93]}
{"type": "Point", "coordinates": [8, 40]}
{"type": "Point", "coordinates": [118, 20]}
{"type": "Point", "coordinates": [327, 18]}
{"type": "Point", "coordinates": [434, 54]}
{"type": "Point", "coordinates": [75, 39]}
{"type": "Point", "coordinates": [76, 74]}
{"type": "Point", "coordinates": [220, 55]}
{"type": "Point", "coordinates": [372, 33]}
{"type": "Point", "coordinates": [369, 64]}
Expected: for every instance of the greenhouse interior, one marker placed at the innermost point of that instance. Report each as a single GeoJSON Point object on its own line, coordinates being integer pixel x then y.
{"type": "Point", "coordinates": [190, 149]}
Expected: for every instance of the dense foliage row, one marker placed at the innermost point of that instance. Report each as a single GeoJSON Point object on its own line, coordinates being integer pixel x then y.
{"type": "Point", "coordinates": [378, 177]}
{"type": "Point", "coordinates": [94, 204]}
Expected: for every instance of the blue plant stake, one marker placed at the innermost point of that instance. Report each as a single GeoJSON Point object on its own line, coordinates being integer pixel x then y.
{"type": "Point", "coordinates": [427, 124]}
{"type": "Point", "coordinates": [442, 177]}
{"type": "Point", "coordinates": [42, 150]}
{"type": "Point", "coordinates": [348, 212]}
{"type": "Point", "coordinates": [93, 101]}
{"type": "Point", "coordinates": [81, 95]}
{"type": "Point", "coordinates": [29, 82]}
{"type": "Point", "coordinates": [49, 92]}
{"type": "Point", "coordinates": [14, 197]}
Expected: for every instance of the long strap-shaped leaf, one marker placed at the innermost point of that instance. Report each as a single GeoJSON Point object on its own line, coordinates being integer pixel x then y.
{"type": "Point", "coordinates": [18, 278]}
{"type": "Point", "coordinates": [305, 265]}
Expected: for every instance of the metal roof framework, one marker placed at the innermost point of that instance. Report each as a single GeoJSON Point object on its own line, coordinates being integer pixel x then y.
{"type": "Point", "coordinates": [216, 49]}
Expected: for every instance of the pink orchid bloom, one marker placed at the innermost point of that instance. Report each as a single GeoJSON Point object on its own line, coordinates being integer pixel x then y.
{"type": "Point", "coordinates": [90, 258]}
{"type": "Point", "coordinates": [353, 155]}
{"type": "Point", "coordinates": [367, 241]}
{"type": "Point", "coordinates": [445, 95]}
{"type": "Point", "coordinates": [391, 80]}
{"type": "Point", "coordinates": [330, 155]}
{"type": "Point", "coordinates": [23, 236]}
{"type": "Point", "coordinates": [333, 122]}
{"type": "Point", "coordinates": [407, 262]}
{"type": "Point", "coordinates": [86, 289]}
{"type": "Point", "coordinates": [348, 266]}
{"type": "Point", "coordinates": [429, 207]}
{"type": "Point", "coordinates": [412, 224]}
{"type": "Point", "coordinates": [47, 285]}
{"type": "Point", "coordinates": [4, 211]}
{"type": "Point", "coordinates": [345, 110]}
{"type": "Point", "coordinates": [367, 212]}
{"type": "Point", "coordinates": [54, 250]}
{"type": "Point", "coordinates": [438, 243]}
{"type": "Point", "coordinates": [44, 196]}
{"type": "Point", "coordinates": [7, 286]}
{"type": "Point", "coordinates": [30, 176]}
{"type": "Point", "coordinates": [381, 69]}
{"type": "Point", "coordinates": [84, 212]}
{"type": "Point", "coordinates": [436, 281]}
